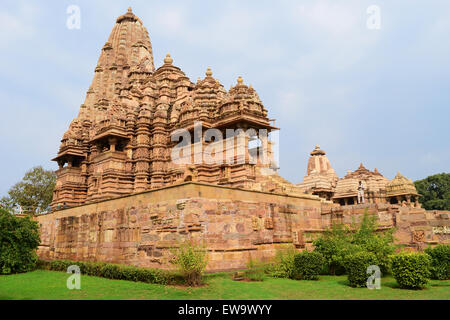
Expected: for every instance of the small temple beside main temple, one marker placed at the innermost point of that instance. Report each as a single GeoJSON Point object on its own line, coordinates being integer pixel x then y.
{"type": "Point", "coordinates": [321, 180]}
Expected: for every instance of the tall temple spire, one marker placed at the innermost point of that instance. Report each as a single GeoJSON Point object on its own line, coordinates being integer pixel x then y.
{"type": "Point", "coordinates": [128, 48]}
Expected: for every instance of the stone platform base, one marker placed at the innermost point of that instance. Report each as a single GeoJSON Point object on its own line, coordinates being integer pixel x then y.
{"type": "Point", "coordinates": [235, 225]}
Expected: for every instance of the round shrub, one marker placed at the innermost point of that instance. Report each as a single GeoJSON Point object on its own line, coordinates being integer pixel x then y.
{"type": "Point", "coordinates": [307, 265]}
{"type": "Point", "coordinates": [19, 239]}
{"type": "Point", "coordinates": [440, 261]}
{"type": "Point", "coordinates": [411, 269]}
{"type": "Point", "coordinates": [357, 265]}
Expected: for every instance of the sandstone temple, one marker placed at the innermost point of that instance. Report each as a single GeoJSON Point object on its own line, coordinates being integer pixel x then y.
{"type": "Point", "coordinates": [121, 197]}
{"type": "Point", "coordinates": [321, 180]}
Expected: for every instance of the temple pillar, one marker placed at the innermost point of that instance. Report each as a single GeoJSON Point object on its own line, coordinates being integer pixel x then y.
{"type": "Point", "coordinates": [417, 203]}
{"type": "Point", "coordinates": [112, 144]}
{"type": "Point", "coordinates": [408, 200]}
{"type": "Point", "coordinates": [142, 168]}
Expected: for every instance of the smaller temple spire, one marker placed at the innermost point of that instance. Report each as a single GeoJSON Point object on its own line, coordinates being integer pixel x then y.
{"type": "Point", "coordinates": [168, 59]}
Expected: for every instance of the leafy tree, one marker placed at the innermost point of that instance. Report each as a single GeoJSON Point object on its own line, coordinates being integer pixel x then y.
{"type": "Point", "coordinates": [33, 193]}
{"type": "Point", "coordinates": [435, 191]}
{"type": "Point", "coordinates": [334, 245]}
{"type": "Point", "coordinates": [19, 239]}
{"type": "Point", "coordinates": [380, 244]}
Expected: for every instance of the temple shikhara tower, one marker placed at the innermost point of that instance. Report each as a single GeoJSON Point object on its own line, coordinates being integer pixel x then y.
{"type": "Point", "coordinates": [320, 177]}
{"type": "Point", "coordinates": [154, 159]}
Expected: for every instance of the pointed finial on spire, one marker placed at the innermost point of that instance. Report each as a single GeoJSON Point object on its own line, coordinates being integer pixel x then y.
{"type": "Point", "coordinates": [168, 59]}
{"type": "Point", "coordinates": [240, 80]}
{"type": "Point", "coordinates": [129, 16]}
{"type": "Point", "coordinates": [317, 151]}
{"type": "Point", "coordinates": [199, 79]}
{"type": "Point", "coordinates": [209, 72]}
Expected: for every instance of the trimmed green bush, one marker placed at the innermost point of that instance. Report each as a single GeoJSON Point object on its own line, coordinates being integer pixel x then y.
{"type": "Point", "coordinates": [19, 239]}
{"type": "Point", "coordinates": [113, 271]}
{"type": "Point", "coordinates": [307, 265]}
{"type": "Point", "coordinates": [440, 261]}
{"type": "Point", "coordinates": [411, 269]}
{"type": "Point", "coordinates": [60, 265]}
{"type": "Point", "coordinates": [356, 266]}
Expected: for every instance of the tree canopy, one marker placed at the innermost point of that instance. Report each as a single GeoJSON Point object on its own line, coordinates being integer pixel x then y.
{"type": "Point", "coordinates": [34, 193]}
{"type": "Point", "coordinates": [19, 239]}
{"type": "Point", "coordinates": [435, 191]}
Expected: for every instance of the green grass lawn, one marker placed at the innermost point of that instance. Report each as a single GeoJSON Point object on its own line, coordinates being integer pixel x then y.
{"type": "Point", "coordinates": [48, 285]}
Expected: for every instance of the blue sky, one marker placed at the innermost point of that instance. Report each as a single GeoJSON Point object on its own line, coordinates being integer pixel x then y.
{"type": "Point", "coordinates": [380, 97]}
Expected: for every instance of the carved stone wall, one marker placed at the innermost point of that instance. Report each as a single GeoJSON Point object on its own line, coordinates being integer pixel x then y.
{"type": "Point", "coordinates": [140, 229]}
{"type": "Point", "coordinates": [415, 227]}
{"type": "Point", "coordinates": [235, 225]}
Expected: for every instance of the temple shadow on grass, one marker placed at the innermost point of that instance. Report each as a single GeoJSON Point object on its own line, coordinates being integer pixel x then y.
{"type": "Point", "coordinates": [439, 285]}
{"type": "Point", "coordinates": [396, 286]}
